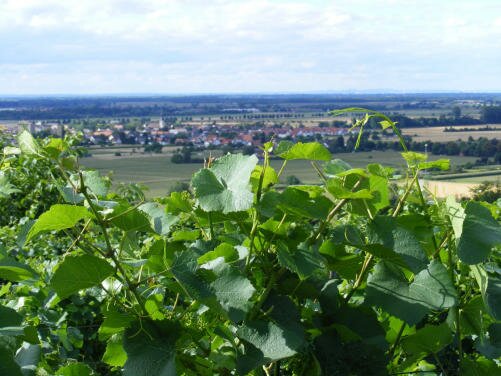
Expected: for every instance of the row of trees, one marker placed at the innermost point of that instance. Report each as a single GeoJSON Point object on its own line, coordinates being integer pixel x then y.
{"type": "Point", "coordinates": [481, 147]}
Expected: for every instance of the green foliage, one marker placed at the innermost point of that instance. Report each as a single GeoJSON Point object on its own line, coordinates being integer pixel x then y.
{"type": "Point", "coordinates": [235, 277]}
{"type": "Point", "coordinates": [59, 217]}
{"type": "Point", "coordinates": [77, 272]}
{"type": "Point", "coordinates": [225, 185]}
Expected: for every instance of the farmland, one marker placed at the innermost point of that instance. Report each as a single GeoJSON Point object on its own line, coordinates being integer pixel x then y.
{"type": "Point", "coordinates": [158, 173]}
{"type": "Point", "coordinates": [437, 134]}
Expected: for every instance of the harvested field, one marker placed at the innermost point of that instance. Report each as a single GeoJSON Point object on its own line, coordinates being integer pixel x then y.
{"type": "Point", "coordinates": [438, 134]}
{"type": "Point", "coordinates": [443, 189]}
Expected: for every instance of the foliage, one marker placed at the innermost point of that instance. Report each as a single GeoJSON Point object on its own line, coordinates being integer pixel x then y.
{"type": "Point", "coordinates": [236, 277]}
{"type": "Point", "coordinates": [184, 155]}
{"type": "Point", "coordinates": [153, 148]}
{"type": "Point", "coordinates": [491, 114]}
{"type": "Point", "coordinates": [179, 186]}
{"type": "Point", "coordinates": [487, 191]}
{"type": "Point", "coordinates": [292, 180]}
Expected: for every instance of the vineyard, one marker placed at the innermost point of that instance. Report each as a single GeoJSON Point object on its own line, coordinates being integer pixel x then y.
{"type": "Point", "coordinates": [361, 274]}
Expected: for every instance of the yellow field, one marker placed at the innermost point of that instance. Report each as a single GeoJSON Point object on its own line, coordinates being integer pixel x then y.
{"type": "Point", "coordinates": [438, 134]}
{"type": "Point", "coordinates": [442, 189]}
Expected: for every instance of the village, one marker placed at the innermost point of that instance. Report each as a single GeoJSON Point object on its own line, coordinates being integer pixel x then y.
{"type": "Point", "coordinates": [200, 135]}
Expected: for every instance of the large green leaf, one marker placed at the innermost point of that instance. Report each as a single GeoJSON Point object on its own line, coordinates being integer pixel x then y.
{"type": "Point", "coordinates": [490, 346]}
{"type": "Point", "coordinates": [75, 369]}
{"type": "Point", "coordinates": [336, 187]}
{"type": "Point", "coordinates": [128, 218]}
{"type": "Point", "coordinates": [14, 271]}
{"type": "Point", "coordinates": [9, 317]}
{"type": "Point", "coordinates": [233, 291]}
{"type": "Point", "coordinates": [479, 367]}
{"type": "Point", "coordinates": [59, 217]}
{"type": "Point", "coordinates": [160, 220]}
{"type": "Point", "coordinates": [296, 201]}
{"type": "Point", "coordinates": [429, 339]}
{"type": "Point", "coordinates": [480, 233]}
{"type": "Point", "coordinates": [224, 250]}
{"type": "Point", "coordinates": [312, 151]}
{"type": "Point", "coordinates": [270, 177]}
{"type": "Point", "coordinates": [378, 186]}
{"type": "Point", "coordinates": [359, 324]}
{"type": "Point", "coordinates": [471, 318]}
{"type": "Point", "coordinates": [270, 339]}
{"type": "Point", "coordinates": [28, 144]}
{"type": "Point", "coordinates": [225, 186]}
{"type": "Point", "coordinates": [433, 287]}
{"type": "Point", "coordinates": [493, 297]}
{"type": "Point", "coordinates": [303, 260]}
{"type": "Point", "coordinates": [95, 184]}
{"type": "Point", "coordinates": [388, 288]}
{"type": "Point", "coordinates": [335, 167]}
{"type": "Point", "coordinates": [456, 215]}
{"type": "Point", "coordinates": [114, 322]}
{"type": "Point", "coordinates": [401, 246]}
{"type": "Point", "coordinates": [184, 268]}
{"type": "Point", "coordinates": [115, 354]}
{"type": "Point", "coordinates": [77, 272]}
{"type": "Point", "coordinates": [150, 348]}
{"type": "Point", "coordinates": [8, 366]}
{"type": "Point", "coordinates": [329, 299]}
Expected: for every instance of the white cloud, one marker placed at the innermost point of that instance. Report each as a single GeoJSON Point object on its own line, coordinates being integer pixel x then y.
{"type": "Point", "coordinates": [197, 45]}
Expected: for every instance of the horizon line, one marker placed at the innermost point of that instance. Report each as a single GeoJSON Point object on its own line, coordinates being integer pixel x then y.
{"type": "Point", "coordinates": [248, 93]}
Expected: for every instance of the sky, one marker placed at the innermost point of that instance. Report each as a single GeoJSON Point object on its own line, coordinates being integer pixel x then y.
{"type": "Point", "coordinates": [259, 46]}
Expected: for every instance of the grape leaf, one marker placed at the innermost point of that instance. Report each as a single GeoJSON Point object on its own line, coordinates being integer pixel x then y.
{"type": "Point", "coordinates": [233, 291]}
{"type": "Point", "coordinates": [75, 369]}
{"type": "Point", "coordinates": [270, 339]}
{"type": "Point", "coordinates": [225, 186]}
{"type": "Point", "coordinates": [150, 348]}
{"type": "Point", "coordinates": [59, 217]}
{"type": "Point", "coordinates": [14, 271]}
{"type": "Point", "coordinates": [388, 288]}
{"type": "Point", "coordinates": [312, 151]}
{"type": "Point", "coordinates": [480, 233]}
{"type": "Point", "coordinates": [77, 272]}
{"type": "Point", "coordinates": [27, 143]}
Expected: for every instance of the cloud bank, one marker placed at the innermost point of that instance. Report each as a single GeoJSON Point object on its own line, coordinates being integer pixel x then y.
{"type": "Point", "coordinates": [195, 46]}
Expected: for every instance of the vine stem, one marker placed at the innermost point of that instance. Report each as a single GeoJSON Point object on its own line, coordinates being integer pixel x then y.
{"type": "Point", "coordinates": [110, 252]}
{"type": "Point", "coordinates": [397, 341]}
{"type": "Point", "coordinates": [318, 170]}
{"type": "Point", "coordinates": [360, 278]}
{"type": "Point", "coordinates": [331, 214]}
{"type": "Point", "coordinates": [211, 225]}
{"type": "Point", "coordinates": [77, 238]}
{"type": "Point", "coordinates": [440, 364]}
{"type": "Point", "coordinates": [265, 293]}
{"type": "Point", "coordinates": [284, 163]}
{"type": "Point", "coordinates": [406, 194]}
{"type": "Point", "coordinates": [370, 257]}
{"type": "Point", "coordinates": [458, 311]}
{"type": "Point", "coordinates": [255, 221]}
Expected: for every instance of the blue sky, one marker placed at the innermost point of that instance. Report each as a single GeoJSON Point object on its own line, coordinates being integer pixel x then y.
{"type": "Point", "coordinates": [204, 46]}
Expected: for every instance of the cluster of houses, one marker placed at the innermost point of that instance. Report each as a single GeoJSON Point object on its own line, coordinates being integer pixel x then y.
{"type": "Point", "coordinates": [206, 135]}
{"type": "Point", "coordinates": [200, 135]}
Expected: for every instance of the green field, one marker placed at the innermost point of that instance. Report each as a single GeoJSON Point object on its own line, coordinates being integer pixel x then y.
{"type": "Point", "coordinates": [158, 173]}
